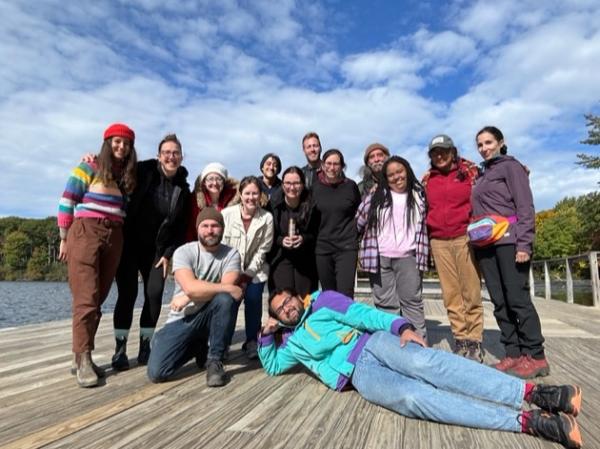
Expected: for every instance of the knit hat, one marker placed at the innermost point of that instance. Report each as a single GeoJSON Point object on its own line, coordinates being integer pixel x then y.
{"type": "Point", "coordinates": [274, 156]}
{"type": "Point", "coordinates": [119, 130]}
{"type": "Point", "coordinates": [214, 167]}
{"type": "Point", "coordinates": [441, 141]}
{"type": "Point", "coordinates": [210, 213]}
{"type": "Point", "coordinates": [373, 147]}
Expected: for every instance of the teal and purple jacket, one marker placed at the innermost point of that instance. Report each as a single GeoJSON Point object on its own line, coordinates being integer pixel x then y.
{"type": "Point", "coordinates": [329, 338]}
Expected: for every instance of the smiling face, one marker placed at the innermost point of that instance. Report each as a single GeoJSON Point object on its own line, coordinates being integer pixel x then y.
{"type": "Point", "coordinates": [120, 147]}
{"type": "Point", "coordinates": [170, 158]}
{"type": "Point", "coordinates": [332, 167]}
{"type": "Point", "coordinates": [488, 146]}
{"type": "Point", "coordinates": [210, 233]}
{"type": "Point", "coordinates": [292, 186]}
{"type": "Point", "coordinates": [312, 150]}
{"type": "Point", "coordinates": [442, 158]}
{"type": "Point", "coordinates": [287, 308]}
{"type": "Point", "coordinates": [376, 159]}
{"type": "Point", "coordinates": [270, 168]}
{"type": "Point", "coordinates": [213, 183]}
{"type": "Point", "coordinates": [396, 177]}
{"type": "Point", "coordinates": [249, 197]}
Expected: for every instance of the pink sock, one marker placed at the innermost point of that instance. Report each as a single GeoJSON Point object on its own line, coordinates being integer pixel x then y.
{"type": "Point", "coordinates": [525, 416]}
{"type": "Point", "coordinates": [528, 390]}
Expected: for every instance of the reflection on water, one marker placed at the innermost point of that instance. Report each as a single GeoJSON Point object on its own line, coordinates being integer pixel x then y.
{"type": "Point", "coordinates": [38, 302]}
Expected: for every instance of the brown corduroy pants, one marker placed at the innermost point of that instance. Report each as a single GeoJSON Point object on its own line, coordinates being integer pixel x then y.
{"type": "Point", "coordinates": [461, 286]}
{"type": "Point", "coordinates": [93, 252]}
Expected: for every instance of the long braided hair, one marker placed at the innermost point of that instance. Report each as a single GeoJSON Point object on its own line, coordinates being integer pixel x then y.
{"type": "Point", "coordinates": [382, 197]}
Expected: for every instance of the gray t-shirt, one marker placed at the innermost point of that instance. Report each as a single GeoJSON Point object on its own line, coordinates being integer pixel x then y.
{"type": "Point", "coordinates": [206, 266]}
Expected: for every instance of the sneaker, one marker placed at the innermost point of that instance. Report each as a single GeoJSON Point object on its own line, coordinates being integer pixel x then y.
{"type": "Point", "coordinates": [202, 353]}
{"type": "Point", "coordinates": [119, 360]}
{"type": "Point", "coordinates": [251, 350]}
{"type": "Point", "coordinates": [215, 374]}
{"type": "Point", "coordinates": [528, 367]}
{"type": "Point", "coordinates": [460, 348]}
{"type": "Point", "coordinates": [86, 376]}
{"type": "Point", "coordinates": [560, 428]}
{"type": "Point", "coordinates": [506, 363]}
{"type": "Point", "coordinates": [563, 398]}
{"type": "Point", "coordinates": [144, 351]}
{"type": "Point", "coordinates": [474, 351]}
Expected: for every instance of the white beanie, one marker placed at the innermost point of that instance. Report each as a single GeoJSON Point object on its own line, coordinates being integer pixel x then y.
{"type": "Point", "coordinates": [214, 167]}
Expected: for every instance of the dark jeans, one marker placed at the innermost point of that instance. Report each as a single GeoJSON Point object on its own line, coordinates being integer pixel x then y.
{"type": "Point", "coordinates": [180, 340]}
{"type": "Point", "coordinates": [508, 284]}
{"type": "Point", "coordinates": [285, 274]}
{"type": "Point", "coordinates": [337, 271]}
{"type": "Point", "coordinates": [144, 260]}
{"type": "Point", "coordinates": [252, 311]}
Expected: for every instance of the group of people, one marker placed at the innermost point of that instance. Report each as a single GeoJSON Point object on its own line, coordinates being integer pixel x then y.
{"type": "Point", "coordinates": [312, 226]}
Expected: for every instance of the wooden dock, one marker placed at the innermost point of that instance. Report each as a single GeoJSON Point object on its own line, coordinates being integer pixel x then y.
{"type": "Point", "coordinates": [41, 406]}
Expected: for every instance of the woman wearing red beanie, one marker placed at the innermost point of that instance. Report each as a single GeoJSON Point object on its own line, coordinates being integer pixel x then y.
{"type": "Point", "coordinates": [90, 217]}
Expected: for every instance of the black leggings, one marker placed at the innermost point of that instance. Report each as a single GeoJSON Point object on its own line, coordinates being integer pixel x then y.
{"type": "Point", "coordinates": [508, 285]}
{"type": "Point", "coordinates": [301, 276]}
{"type": "Point", "coordinates": [337, 271]}
{"type": "Point", "coordinates": [132, 260]}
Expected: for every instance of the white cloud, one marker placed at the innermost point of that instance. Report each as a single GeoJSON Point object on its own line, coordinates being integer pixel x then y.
{"type": "Point", "coordinates": [382, 66]}
{"type": "Point", "coordinates": [445, 49]}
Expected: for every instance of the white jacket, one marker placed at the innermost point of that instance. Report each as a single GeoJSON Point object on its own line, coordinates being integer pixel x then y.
{"type": "Point", "coordinates": [253, 245]}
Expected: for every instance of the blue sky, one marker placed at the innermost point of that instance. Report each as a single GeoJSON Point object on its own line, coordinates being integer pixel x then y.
{"type": "Point", "coordinates": [238, 79]}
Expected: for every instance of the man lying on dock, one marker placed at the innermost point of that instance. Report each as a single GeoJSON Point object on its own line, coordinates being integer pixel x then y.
{"type": "Point", "coordinates": [202, 307]}
{"type": "Point", "coordinates": [348, 344]}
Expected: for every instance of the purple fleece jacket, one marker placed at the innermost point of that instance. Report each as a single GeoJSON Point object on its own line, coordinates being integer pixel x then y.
{"type": "Point", "coordinates": [503, 189]}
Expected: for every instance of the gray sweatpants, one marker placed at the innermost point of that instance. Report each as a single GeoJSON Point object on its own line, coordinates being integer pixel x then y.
{"type": "Point", "coordinates": [397, 289]}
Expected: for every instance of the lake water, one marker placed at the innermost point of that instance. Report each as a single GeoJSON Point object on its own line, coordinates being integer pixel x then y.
{"type": "Point", "coordinates": [38, 302]}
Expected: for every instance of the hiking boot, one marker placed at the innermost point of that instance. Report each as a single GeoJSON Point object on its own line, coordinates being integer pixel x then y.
{"type": "Point", "coordinates": [215, 374]}
{"type": "Point", "coordinates": [474, 351]}
{"type": "Point", "coordinates": [251, 350]}
{"type": "Point", "coordinates": [86, 376]}
{"type": "Point", "coordinates": [202, 353]}
{"type": "Point", "coordinates": [460, 348]}
{"type": "Point", "coordinates": [528, 367]}
{"type": "Point", "coordinates": [119, 359]}
{"type": "Point", "coordinates": [560, 428]}
{"type": "Point", "coordinates": [506, 363]}
{"type": "Point", "coordinates": [563, 398]}
{"type": "Point", "coordinates": [100, 372]}
{"type": "Point", "coordinates": [144, 351]}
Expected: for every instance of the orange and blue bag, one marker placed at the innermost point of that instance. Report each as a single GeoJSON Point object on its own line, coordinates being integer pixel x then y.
{"type": "Point", "coordinates": [487, 229]}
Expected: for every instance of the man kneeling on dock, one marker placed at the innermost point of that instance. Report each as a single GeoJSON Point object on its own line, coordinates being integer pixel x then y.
{"type": "Point", "coordinates": [202, 308]}
{"type": "Point", "coordinates": [348, 344]}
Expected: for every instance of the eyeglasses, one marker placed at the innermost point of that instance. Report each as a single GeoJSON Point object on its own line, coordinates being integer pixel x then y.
{"type": "Point", "coordinates": [285, 302]}
{"type": "Point", "coordinates": [171, 153]}
{"type": "Point", "coordinates": [215, 179]}
{"type": "Point", "coordinates": [291, 184]}
{"type": "Point", "coordinates": [332, 164]}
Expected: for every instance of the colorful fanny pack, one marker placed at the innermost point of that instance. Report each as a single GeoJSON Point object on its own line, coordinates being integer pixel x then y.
{"type": "Point", "coordinates": [487, 229]}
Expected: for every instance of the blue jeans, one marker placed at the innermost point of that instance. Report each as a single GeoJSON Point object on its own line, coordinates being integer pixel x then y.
{"type": "Point", "coordinates": [179, 341]}
{"type": "Point", "coordinates": [252, 311]}
{"type": "Point", "coordinates": [436, 385]}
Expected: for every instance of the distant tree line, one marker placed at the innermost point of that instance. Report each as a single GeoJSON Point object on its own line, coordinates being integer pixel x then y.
{"type": "Point", "coordinates": [29, 250]}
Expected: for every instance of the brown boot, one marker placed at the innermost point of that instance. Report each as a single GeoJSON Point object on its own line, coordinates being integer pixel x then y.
{"type": "Point", "coordinates": [100, 372]}
{"type": "Point", "coordinates": [86, 376]}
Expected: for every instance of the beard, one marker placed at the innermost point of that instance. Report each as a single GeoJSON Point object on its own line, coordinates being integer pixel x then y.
{"type": "Point", "coordinates": [211, 241]}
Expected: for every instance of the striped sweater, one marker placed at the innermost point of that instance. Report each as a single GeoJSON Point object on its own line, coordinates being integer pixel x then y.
{"type": "Point", "coordinates": [85, 196]}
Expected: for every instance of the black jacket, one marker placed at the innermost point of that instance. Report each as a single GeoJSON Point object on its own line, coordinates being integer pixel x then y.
{"type": "Point", "coordinates": [308, 230]}
{"type": "Point", "coordinates": [140, 212]}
